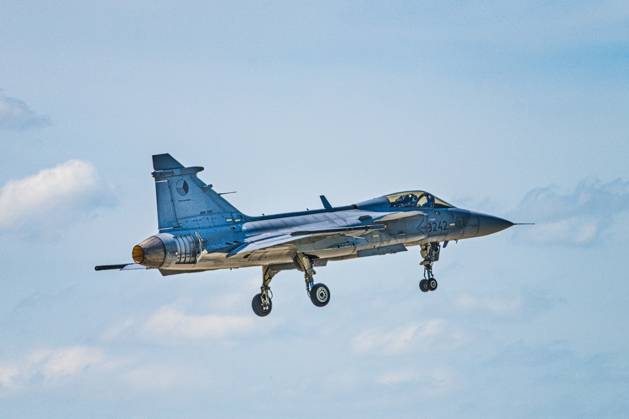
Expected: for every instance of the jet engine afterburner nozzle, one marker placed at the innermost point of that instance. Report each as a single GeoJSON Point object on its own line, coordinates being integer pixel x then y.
{"type": "Point", "coordinates": [150, 252]}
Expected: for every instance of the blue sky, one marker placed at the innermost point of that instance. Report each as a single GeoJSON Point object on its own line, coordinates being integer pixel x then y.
{"type": "Point", "coordinates": [515, 109]}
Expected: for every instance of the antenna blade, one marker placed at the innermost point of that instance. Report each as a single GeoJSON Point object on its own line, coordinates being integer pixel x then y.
{"type": "Point", "coordinates": [325, 202]}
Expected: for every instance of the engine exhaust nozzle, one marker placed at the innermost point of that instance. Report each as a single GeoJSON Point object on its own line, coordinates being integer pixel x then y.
{"type": "Point", "coordinates": [150, 252]}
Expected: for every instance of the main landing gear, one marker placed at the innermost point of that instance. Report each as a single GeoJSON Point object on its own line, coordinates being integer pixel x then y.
{"type": "Point", "coordinates": [430, 255]}
{"type": "Point", "coordinates": [261, 303]}
{"type": "Point", "coordinates": [319, 294]}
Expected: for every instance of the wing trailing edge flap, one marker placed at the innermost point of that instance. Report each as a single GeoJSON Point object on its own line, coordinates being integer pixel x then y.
{"type": "Point", "coordinates": [294, 236]}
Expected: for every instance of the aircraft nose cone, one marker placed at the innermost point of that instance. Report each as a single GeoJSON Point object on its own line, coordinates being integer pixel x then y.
{"type": "Point", "coordinates": [488, 224]}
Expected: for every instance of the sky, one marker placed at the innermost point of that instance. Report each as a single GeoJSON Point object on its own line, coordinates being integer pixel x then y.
{"type": "Point", "coordinates": [518, 109]}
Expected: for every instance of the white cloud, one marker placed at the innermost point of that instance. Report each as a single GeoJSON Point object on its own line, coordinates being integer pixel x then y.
{"type": "Point", "coordinates": [493, 305]}
{"type": "Point", "coordinates": [580, 217]}
{"type": "Point", "coordinates": [57, 366]}
{"type": "Point", "coordinates": [8, 376]}
{"type": "Point", "coordinates": [427, 334]}
{"type": "Point", "coordinates": [576, 230]}
{"type": "Point", "coordinates": [71, 361]}
{"type": "Point", "coordinates": [67, 186]}
{"type": "Point", "coordinates": [15, 114]}
{"type": "Point", "coordinates": [171, 323]}
{"type": "Point", "coordinates": [50, 365]}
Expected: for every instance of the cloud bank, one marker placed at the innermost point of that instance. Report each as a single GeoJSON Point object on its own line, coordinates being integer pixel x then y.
{"type": "Point", "coordinates": [16, 115]}
{"type": "Point", "coordinates": [56, 366]}
{"type": "Point", "coordinates": [48, 365]}
{"type": "Point", "coordinates": [429, 334]}
{"type": "Point", "coordinates": [589, 213]}
{"type": "Point", "coordinates": [171, 323]}
{"type": "Point", "coordinates": [68, 186]}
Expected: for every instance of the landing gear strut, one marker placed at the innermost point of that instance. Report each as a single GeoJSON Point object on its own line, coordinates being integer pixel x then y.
{"type": "Point", "coordinates": [430, 255]}
{"type": "Point", "coordinates": [319, 293]}
{"type": "Point", "coordinates": [261, 303]}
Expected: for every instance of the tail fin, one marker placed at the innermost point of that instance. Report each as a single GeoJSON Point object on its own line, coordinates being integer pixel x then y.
{"type": "Point", "coordinates": [185, 201]}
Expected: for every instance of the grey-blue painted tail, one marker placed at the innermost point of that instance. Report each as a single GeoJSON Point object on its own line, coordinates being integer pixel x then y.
{"type": "Point", "coordinates": [185, 201]}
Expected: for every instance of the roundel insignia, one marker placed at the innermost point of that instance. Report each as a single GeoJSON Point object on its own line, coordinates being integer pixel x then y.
{"type": "Point", "coordinates": [182, 187]}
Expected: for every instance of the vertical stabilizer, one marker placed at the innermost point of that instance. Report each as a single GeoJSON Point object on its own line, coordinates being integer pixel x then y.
{"type": "Point", "coordinates": [184, 200]}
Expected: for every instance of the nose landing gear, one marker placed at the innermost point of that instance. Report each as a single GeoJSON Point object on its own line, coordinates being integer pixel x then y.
{"type": "Point", "coordinates": [430, 255]}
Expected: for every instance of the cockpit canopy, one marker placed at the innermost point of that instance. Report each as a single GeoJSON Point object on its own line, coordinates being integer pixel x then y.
{"type": "Point", "coordinates": [416, 199]}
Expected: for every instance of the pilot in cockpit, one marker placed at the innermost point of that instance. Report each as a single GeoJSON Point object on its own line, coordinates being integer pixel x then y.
{"type": "Point", "coordinates": [419, 199]}
{"type": "Point", "coordinates": [426, 200]}
{"type": "Point", "coordinates": [407, 200]}
{"type": "Point", "coordinates": [430, 200]}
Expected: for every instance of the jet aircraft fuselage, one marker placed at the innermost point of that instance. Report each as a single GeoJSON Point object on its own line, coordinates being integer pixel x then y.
{"type": "Point", "coordinates": [225, 246]}
{"type": "Point", "coordinates": [199, 230]}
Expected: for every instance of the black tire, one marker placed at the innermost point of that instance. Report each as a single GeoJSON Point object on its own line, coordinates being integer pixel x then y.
{"type": "Point", "coordinates": [432, 284]}
{"type": "Point", "coordinates": [423, 285]}
{"type": "Point", "coordinates": [258, 308]}
{"type": "Point", "coordinates": [320, 295]}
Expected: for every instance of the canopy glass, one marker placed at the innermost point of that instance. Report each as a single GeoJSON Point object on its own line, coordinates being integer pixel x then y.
{"type": "Point", "coordinates": [417, 199]}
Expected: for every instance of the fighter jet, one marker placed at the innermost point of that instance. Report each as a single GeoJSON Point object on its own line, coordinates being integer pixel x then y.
{"type": "Point", "coordinates": [199, 230]}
